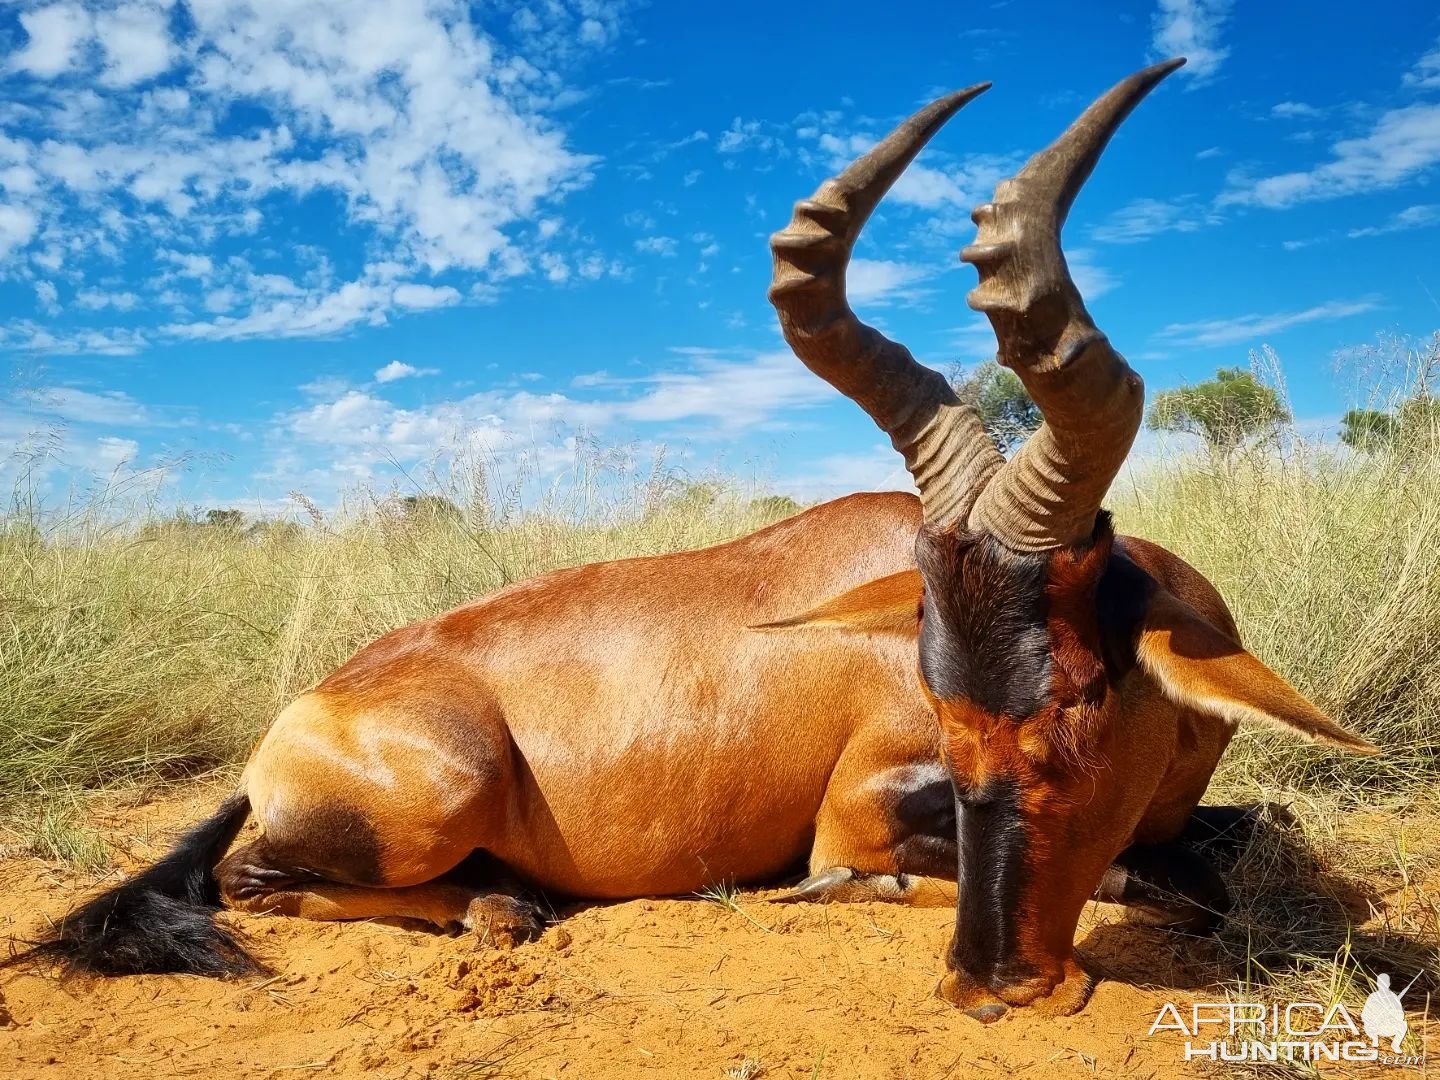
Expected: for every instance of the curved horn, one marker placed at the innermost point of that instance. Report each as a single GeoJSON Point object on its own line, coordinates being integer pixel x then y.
{"type": "Point", "coordinates": [1047, 495]}
{"type": "Point", "coordinates": [945, 446]}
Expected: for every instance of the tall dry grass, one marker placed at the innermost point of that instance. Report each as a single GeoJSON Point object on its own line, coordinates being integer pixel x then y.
{"type": "Point", "coordinates": [1331, 564]}
{"type": "Point", "coordinates": [152, 646]}
{"type": "Point", "coordinates": [133, 649]}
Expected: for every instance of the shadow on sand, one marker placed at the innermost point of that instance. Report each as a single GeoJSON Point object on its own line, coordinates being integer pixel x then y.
{"type": "Point", "coordinates": [1298, 922]}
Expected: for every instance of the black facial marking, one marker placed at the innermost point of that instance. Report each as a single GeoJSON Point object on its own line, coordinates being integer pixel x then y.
{"type": "Point", "coordinates": [982, 631]}
{"type": "Point", "coordinates": [992, 843]}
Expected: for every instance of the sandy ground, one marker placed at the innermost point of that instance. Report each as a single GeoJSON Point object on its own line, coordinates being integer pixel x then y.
{"type": "Point", "coordinates": [649, 988]}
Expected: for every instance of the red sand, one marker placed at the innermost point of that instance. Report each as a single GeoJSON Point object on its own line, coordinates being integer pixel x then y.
{"type": "Point", "coordinates": [663, 988]}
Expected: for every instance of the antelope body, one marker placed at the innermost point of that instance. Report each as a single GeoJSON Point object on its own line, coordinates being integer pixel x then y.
{"type": "Point", "coordinates": [614, 730]}
{"type": "Point", "coordinates": [981, 696]}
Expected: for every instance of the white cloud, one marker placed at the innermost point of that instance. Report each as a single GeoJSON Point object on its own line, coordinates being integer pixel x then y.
{"type": "Point", "coordinates": [56, 33]}
{"type": "Point", "coordinates": [1191, 28]}
{"type": "Point", "coordinates": [963, 183]}
{"type": "Point", "coordinates": [1426, 72]}
{"type": "Point", "coordinates": [594, 267]}
{"type": "Point", "coordinates": [733, 394]}
{"type": "Point", "coordinates": [974, 341]}
{"type": "Point", "coordinates": [398, 369]}
{"type": "Point", "coordinates": [280, 307]}
{"type": "Point", "coordinates": [136, 42]}
{"type": "Point", "coordinates": [435, 143]}
{"type": "Point", "coordinates": [111, 407]}
{"type": "Point", "coordinates": [17, 227]}
{"type": "Point", "coordinates": [880, 281]}
{"type": "Point", "coordinates": [310, 314]}
{"type": "Point", "coordinates": [1093, 280]}
{"type": "Point", "coordinates": [556, 268]}
{"type": "Point", "coordinates": [664, 246]}
{"type": "Point", "coordinates": [879, 469]}
{"type": "Point", "coordinates": [355, 416]}
{"type": "Point", "coordinates": [1413, 217]}
{"type": "Point", "coordinates": [99, 299]}
{"type": "Point", "coordinates": [694, 137]}
{"type": "Point", "coordinates": [1248, 328]}
{"type": "Point", "coordinates": [325, 386]}
{"type": "Point", "coordinates": [1402, 145]}
{"type": "Point", "coordinates": [593, 32]}
{"type": "Point", "coordinates": [1294, 110]}
{"type": "Point", "coordinates": [48, 295]}
{"type": "Point", "coordinates": [27, 336]}
{"type": "Point", "coordinates": [749, 135]}
{"type": "Point", "coordinates": [360, 437]}
{"type": "Point", "coordinates": [947, 181]}
{"type": "Point", "coordinates": [189, 264]}
{"type": "Point", "coordinates": [222, 299]}
{"type": "Point", "coordinates": [110, 454]}
{"type": "Point", "coordinates": [1144, 218]}
{"type": "Point", "coordinates": [421, 297]}
{"type": "Point", "coordinates": [347, 434]}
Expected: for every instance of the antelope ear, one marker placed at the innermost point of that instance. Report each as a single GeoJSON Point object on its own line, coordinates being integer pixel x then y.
{"type": "Point", "coordinates": [1203, 667]}
{"type": "Point", "coordinates": [888, 605]}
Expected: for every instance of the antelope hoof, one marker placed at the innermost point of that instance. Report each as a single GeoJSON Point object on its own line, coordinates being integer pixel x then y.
{"type": "Point", "coordinates": [986, 1004]}
{"type": "Point", "coordinates": [823, 886]}
{"type": "Point", "coordinates": [1069, 996]}
{"type": "Point", "coordinates": [974, 1000]}
{"type": "Point", "coordinates": [503, 921]}
{"type": "Point", "coordinates": [987, 1014]}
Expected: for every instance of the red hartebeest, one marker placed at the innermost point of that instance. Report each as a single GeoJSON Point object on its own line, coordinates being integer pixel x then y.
{"type": "Point", "coordinates": [654, 725]}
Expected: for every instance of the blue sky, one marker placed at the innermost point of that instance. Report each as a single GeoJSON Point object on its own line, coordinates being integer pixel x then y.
{"type": "Point", "coordinates": [301, 246]}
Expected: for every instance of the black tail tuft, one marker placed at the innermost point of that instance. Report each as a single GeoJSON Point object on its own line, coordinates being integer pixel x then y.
{"type": "Point", "coordinates": [160, 920]}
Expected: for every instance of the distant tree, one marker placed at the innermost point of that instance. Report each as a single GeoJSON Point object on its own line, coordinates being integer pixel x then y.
{"type": "Point", "coordinates": [1005, 408]}
{"type": "Point", "coordinates": [277, 532]}
{"type": "Point", "coordinates": [1418, 422]}
{"type": "Point", "coordinates": [181, 521]}
{"type": "Point", "coordinates": [774, 506]}
{"type": "Point", "coordinates": [1413, 428]}
{"type": "Point", "coordinates": [1404, 371]}
{"type": "Point", "coordinates": [20, 535]}
{"type": "Point", "coordinates": [224, 519]}
{"type": "Point", "coordinates": [695, 496]}
{"type": "Point", "coordinates": [429, 509]}
{"type": "Point", "coordinates": [1368, 429]}
{"type": "Point", "coordinates": [1224, 411]}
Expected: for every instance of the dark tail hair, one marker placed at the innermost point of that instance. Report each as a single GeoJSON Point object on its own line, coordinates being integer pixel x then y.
{"type": "Point", "coordinates": [160, 920]}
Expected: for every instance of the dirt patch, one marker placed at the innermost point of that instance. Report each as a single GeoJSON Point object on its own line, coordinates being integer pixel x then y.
{"type": "Point", "coordinates": [673, 988]}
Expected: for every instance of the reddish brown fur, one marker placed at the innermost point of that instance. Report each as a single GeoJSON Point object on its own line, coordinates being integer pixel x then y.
{"type": "Point", "coordinates": [611, 730]}
{"type": "Point", "coordinates": [1078, 669]}
{"type": "Point", "coordinates": [1112, 757]}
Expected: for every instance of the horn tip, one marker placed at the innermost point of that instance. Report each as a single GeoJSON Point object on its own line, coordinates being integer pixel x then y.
{"type": "Point", "coordinates": [953, 101]}
{"type": "Point", "coordinates": [1156, 72]}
